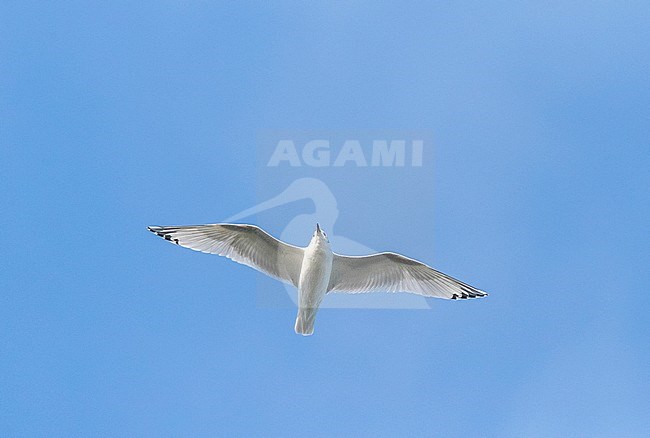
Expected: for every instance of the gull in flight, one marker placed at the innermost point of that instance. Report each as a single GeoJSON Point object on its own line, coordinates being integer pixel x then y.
{"type": "Point", "coordinates": [316, 270]}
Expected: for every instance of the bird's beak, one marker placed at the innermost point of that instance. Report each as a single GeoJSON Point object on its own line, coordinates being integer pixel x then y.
{"type": "Point", "coordinates": [317, 228]}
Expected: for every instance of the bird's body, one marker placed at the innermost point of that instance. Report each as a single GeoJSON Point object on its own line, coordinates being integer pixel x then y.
{"type": "Point", "coordinates": [314, 278]}
{"type": "Point", "coordinates": [316, 270]}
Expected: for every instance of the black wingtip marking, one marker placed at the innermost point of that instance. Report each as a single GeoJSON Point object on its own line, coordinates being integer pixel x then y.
{"type": "Point", "coordinates": [467, 295]}
{"type": "Point", "coordinates": [166, 236]}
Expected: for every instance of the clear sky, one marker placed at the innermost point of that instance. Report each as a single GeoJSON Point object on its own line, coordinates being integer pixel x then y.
{"type": "Point", "coordinates": [118, 115]}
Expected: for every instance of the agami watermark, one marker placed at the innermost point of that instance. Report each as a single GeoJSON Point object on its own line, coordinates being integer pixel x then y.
{"type": "Point", "coordinates": [353, 184]}
{"type": "Point", "coordinates": [321, 153]}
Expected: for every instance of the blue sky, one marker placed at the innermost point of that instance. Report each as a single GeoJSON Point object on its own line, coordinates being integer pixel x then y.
{"type": "Point", "coordinates": [116, 116]}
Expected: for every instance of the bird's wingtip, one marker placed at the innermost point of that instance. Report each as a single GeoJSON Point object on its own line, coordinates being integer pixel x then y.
{"type": "Point", "coordinates": [164, 233]}
{"type": "Point", "coordinates": [464, 295]}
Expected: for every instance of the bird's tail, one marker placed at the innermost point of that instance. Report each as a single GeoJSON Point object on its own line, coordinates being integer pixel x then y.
{"type": "Point", "coordinates": [305, 321]}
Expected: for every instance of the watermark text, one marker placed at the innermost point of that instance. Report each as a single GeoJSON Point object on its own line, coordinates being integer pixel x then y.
{"type": "Point", "coordinates": [321, 153]}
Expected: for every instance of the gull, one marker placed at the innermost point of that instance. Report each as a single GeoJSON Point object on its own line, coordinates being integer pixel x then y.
{"type": "Point", "coordinates": [316, 270]}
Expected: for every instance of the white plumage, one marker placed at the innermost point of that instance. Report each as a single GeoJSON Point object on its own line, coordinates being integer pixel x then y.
{"type": "Point", "coordinates": [316, 270]}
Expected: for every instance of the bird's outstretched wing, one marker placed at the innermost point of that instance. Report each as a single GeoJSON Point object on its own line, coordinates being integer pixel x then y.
{"type": "Point", "coordinates": [246, 244]}
{"type": "Point", "coordinates": [390, 272]}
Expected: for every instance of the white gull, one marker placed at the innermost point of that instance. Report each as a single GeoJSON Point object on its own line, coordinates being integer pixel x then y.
{"type": "Point", "coordinates": [316, 270]}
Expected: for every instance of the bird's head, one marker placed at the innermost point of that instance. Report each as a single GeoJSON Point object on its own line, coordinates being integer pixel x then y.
{"type": "Point", "coordinates": [319, 234]}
